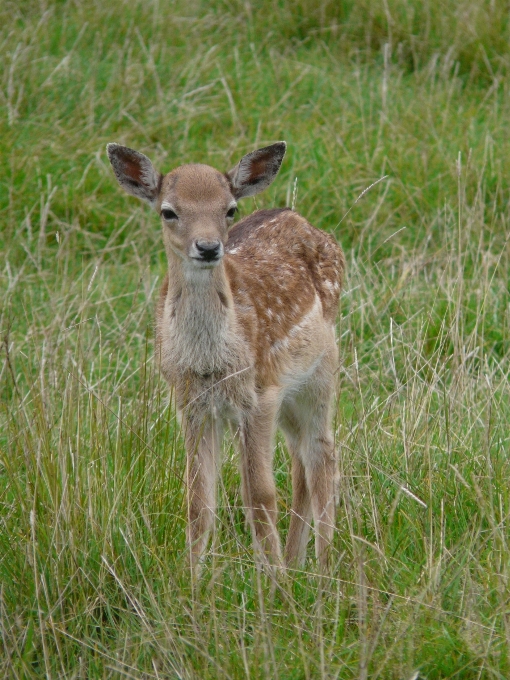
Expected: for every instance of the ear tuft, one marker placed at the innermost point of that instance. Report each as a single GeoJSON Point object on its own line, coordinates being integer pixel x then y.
{"type": "Point", "coordinates": [134, 171]}
{"type": "Point", "coordinates": [256, 170]}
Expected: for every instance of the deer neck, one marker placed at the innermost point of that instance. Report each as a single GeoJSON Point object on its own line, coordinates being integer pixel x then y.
{"type": "Point", "coordinates": [201, 318]}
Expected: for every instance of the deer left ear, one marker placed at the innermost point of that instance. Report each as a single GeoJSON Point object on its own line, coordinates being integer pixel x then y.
{"type": "Point", "coordinates": [256, 170]}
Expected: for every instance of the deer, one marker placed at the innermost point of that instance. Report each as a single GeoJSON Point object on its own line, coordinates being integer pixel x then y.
{"type": "Point", "coordinates": [245, 336]}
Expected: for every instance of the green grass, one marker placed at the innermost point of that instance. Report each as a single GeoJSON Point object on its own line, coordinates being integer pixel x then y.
{"type": "Point", "coordinates": [93, 574]}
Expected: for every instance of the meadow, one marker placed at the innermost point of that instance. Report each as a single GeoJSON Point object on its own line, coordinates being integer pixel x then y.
{"type": "Point", "coordinates": [396, 117]}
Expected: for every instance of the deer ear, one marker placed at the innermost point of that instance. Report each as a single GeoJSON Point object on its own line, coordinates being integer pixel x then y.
{"type": "Point", "coordinates": [135, 173]}
{"type": "Point", "coordinates": [256, 170]}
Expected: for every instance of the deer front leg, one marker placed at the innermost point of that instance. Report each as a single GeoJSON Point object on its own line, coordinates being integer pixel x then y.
{"type": "Point", "coordinates": [258, 486]}
{"type": "Point", "coordinates": [202, 459]}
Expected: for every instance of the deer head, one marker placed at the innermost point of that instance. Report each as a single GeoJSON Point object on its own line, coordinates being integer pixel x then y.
{"type": "Point", "coordinates": [196, 203]}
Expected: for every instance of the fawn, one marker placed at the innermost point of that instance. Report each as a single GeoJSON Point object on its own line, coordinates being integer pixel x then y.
{"type": "Point", "coordinates": [245, 334]}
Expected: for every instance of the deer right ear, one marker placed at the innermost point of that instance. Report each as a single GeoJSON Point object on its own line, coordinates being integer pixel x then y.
{"type": "Point", "coordinates": [135, 173]}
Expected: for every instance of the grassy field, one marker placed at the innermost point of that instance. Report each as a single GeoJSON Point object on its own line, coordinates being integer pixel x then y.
{"type": "Point", "coordinates": [411, 97]}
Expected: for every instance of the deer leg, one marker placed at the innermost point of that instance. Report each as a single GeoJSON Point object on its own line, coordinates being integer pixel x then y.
{"type": "Point", "coordinates": [258, 486]}
{"type": "Point", "coordinates": [305, 419]}
{"type": "Point", "coordinates": [202, 457]}
{"type": "Point", "coordinates": [321, 475]}
{"type": "Point", "coordinates": [301, 514]}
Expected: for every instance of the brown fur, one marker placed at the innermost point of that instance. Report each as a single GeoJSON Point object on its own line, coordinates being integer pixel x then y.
{"type": "Point", "coordinates": [247, 340]}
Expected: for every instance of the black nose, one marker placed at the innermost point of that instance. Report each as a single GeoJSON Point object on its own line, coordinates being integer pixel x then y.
{"type": "Point", "coordinates": [208, 250]}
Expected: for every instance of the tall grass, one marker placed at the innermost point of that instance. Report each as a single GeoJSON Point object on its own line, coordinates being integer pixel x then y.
{"type": "Point", "coordinates": [93, 575]}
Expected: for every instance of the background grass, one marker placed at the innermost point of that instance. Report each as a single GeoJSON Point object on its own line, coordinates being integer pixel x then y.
{"type": "Point", "coordinates": [93, 577]}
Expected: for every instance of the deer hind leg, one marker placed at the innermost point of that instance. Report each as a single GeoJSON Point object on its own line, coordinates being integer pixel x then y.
{"type": "Point", "coordinates": [258, 486]}
{"type": "Point", "coordinates": [306, 422]}
{"type": "Point", "coordinates": [321, 476]}
{"type": "Point", "coordinates": [202, 460]}
{"type": "Point", "coordinates": [301, 512]}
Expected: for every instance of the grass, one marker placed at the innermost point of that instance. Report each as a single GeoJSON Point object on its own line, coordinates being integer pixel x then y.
{"type": "Point", "coordinates": [93, 576]}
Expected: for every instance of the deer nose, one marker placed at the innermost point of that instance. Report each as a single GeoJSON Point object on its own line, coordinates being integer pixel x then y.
{"type": "Point", "coordinates": [208, 250]}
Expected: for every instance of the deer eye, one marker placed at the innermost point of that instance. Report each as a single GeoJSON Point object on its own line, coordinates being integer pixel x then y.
{"type": "Point", "coordinates": [231, 212]}
{"type": "Point", "coordinates": [168, 214]}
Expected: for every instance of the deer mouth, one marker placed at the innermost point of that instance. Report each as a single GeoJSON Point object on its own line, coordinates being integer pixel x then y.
{"type": "Point", "coordinates": [206, 264]}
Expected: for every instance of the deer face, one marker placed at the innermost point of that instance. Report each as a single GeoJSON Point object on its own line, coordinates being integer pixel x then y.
{"type": "Point", "coordinates": [197, 207]}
